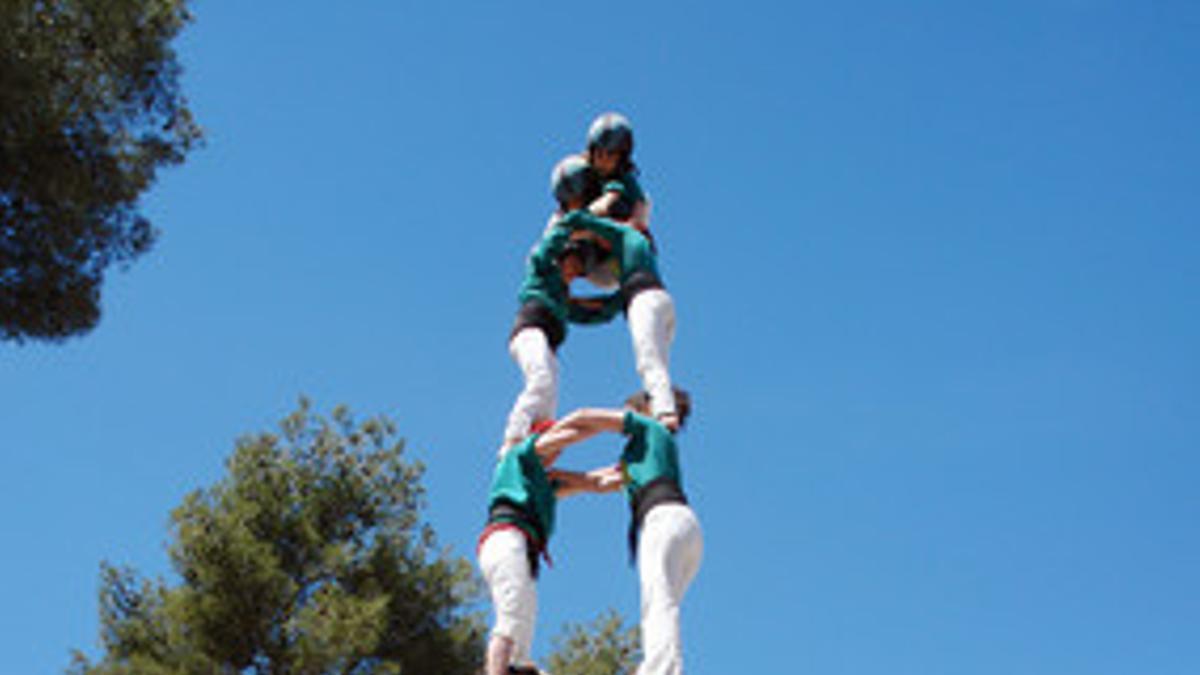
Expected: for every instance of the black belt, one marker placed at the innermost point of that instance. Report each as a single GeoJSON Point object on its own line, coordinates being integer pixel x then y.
{"type": "Point", "coordinates": [637, 282]}
{"type": "Point", "coordinates": [659, 491]}
{"type": "Point", "coordinates": [534, 314]}
{"type": "Point", "coordinates": [504, 511]}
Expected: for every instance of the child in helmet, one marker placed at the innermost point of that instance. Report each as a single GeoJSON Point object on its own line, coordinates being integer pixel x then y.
{"type": "Point", "coordinates": [541, 322]}
{"type": "Point", "coordinates": [620, 197]}
{"type": "Point", "coordinates": [610, 154]}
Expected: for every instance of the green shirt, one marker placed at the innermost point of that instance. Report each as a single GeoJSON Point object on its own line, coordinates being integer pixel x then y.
{"type": "Point", "coordinates": [634, 254]}
{"type": "Point", "coordinates": [520, 480]}
{"type": "Point", "coordinates": [631, 248]}
{"type": "Point", "coordinates": [629, 192]}
{"type": "Point", "coordinates": [650, 454]}
{"type": "Point", "coordinates": [543, 276]}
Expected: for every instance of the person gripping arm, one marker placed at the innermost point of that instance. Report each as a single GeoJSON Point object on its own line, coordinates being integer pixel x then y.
{"type": "Point", "coordinates": [598, 481]}
{"type": "Point", "coordinates": [576, 427]}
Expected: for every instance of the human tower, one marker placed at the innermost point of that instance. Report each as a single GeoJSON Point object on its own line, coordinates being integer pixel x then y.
{"type": "Point", "coordinates": [600, 231]}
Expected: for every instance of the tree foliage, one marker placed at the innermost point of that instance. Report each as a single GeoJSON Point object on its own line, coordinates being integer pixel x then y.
{"type": "Point", "coordinates": [90, 109]}
{"type": "Point", "coordinates": [309, 556]}
{"type": "Point", "coordinates": [604, 647]}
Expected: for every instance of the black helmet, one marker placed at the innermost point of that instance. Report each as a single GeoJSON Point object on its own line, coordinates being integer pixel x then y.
{"type": "Point", "coordinates": [571, 179]}
{"type": "Point", "coordinates": [611, 131]}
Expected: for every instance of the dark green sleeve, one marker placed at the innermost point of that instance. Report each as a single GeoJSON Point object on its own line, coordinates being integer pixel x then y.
{"type": "Point", "coordinates": [528, 457]}
{"type": "Point", "coordinates": [628, 187]}
{"type": "Point", "coordinates": [633, 188]}
{"type": "Point", "coordinates": [617, 187]}
{"type": "Point", "coordinates": [605, 228]}
{"type": "Point", "coordinates": [552, 242]}
{"type": "Point", "coordinates": [629, 423]}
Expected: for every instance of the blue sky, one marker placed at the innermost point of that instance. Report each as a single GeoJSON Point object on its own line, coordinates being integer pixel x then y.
{"type": "Point", "coordinates": [935, 268]}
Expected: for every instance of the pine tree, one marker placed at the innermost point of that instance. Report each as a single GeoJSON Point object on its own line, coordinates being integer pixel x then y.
{"type": "Point", "coordinates": [604, 647]}
{"type": "Point", "coordinates": [90, 109]}
{"type": "Point", "coordinates": [309, 556]}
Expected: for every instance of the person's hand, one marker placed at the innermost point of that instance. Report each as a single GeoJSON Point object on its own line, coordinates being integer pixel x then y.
{"type": "Point", "coordinates": [607, 479]}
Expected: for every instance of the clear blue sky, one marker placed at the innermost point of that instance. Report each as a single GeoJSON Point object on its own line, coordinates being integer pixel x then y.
{"type": "Point", "coordinates": [936, 275]}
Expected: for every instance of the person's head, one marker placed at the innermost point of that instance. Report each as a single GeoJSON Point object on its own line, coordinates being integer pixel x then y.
{"type": "Point", "coordinates": [577, 258]}
{"type": "Point", "coordinates": [572, 182]}
{"type": "Point", "coordinates": [640, 403]}
{"type": "Point", "coordinates": [610, 144]}
{"type": "Point", "coordinates": [571, 265]}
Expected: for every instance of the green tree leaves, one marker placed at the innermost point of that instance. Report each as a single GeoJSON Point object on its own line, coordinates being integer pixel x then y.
{"type": "Point", "coordinates": [90, 109]}
{"type": "Point", "coordinates": [604, 647]}
{"type": "Point", "coordinates": [310, 556]}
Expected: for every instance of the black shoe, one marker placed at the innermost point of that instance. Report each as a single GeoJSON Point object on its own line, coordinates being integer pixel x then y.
{"type": "Point", "coordinates": [523, 670]}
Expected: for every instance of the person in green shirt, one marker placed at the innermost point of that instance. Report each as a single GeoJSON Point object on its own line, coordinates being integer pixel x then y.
{"type": "Point", "coordinates": [541, 321]}
{"type": "Point", "coordinates": [664, 533]}
{"type": "Point", "coordinates": [649, 308]}
{"type": "Point", "coordinates": [610, 154]}
{"type": "Point", "coordinates": [625, 261]}
{"type": "Point", "coordinates": [522, 500]}
{"type": "Point", "coordinates": [613, 254]}
{"type": "Point", "coordinates": [620, 196]}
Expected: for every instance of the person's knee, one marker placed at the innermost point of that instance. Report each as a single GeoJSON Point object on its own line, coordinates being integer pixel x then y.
{"type": "Point", "coordinates": [541, 382]}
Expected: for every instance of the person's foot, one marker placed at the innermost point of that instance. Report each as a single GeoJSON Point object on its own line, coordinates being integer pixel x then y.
{"type": "Point", "coordinates": [524, 670]}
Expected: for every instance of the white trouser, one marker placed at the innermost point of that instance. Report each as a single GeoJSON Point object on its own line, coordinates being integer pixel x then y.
{"type": "Point", "coordinates": [539, 399]}
{"type": "Point", "coordinates": [651, 319]}
{"type": "Point", "coordinates": [669, 550]}
{"type": "Point", "coordinates": [505, 567]}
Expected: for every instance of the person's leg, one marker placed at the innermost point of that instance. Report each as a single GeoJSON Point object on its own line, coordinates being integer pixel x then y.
{"type": "Point", "coordinates": [505, 567]}
{"type": "Point", "coordinates": [651, 317]}
{"type": "Point", "coordinates": [669, 551]}
{"type": "Point", "coordinates": [538, 399]}
{"type": "Point", "coordinates": [499, 655]}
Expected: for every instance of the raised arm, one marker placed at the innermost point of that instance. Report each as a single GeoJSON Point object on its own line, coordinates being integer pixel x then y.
{"type": "Point", "coordinates": [577, 427]}
{"type": "Point", "coordinates": [552, 243]}
{"type": "Point", "coordinates": [610, 230]}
